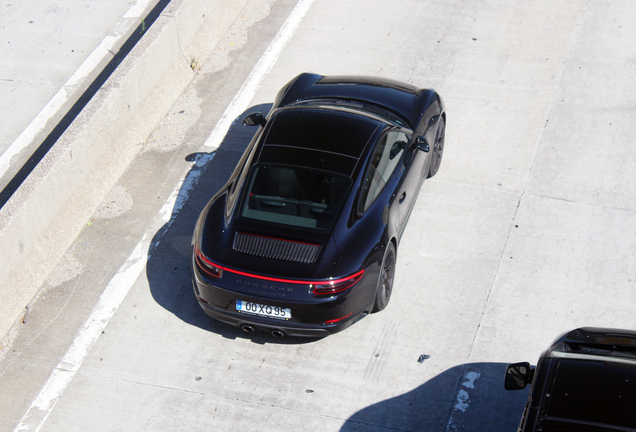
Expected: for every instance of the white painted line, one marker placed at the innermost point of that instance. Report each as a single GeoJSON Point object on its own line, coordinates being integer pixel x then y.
{"type": "Point", "coordinates": [120, 284]}
{"type": "Point", "coordinates": [264, 65]}
{"type": "Point", "coordinates": [108, 303]}
{"type": "Point", "coordinates": [65, 370]}
{"type": "Point", "coordinates": [93, 60]}
{"type": "Point", "coordinates": [54, 105]}
{"type": "Point", "coordinates": [462, 399]}
{"type": "Point", "coordinates": [138, 9]}
{"type": "Point", "coordinates": [51, 109]}
{"type": "Point", "coordinates": [26, 137]}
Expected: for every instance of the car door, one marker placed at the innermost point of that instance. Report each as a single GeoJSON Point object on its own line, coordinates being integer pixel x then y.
{"type": "Point", "coordinates": [386, 158]}
{"type": "Point", "coordinates": [392, 165]}
{"type": "Point", "coordinates": [410, 177]}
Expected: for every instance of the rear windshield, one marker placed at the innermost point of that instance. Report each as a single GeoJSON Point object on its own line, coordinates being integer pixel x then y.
{"type": "Point", "coordinates": [295, 196]}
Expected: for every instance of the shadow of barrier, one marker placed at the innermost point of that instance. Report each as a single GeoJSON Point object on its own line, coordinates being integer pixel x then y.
{"type": "Point", "coordinates": [470, 397]}
{"type": "Point", "coordinates": [168, 268]}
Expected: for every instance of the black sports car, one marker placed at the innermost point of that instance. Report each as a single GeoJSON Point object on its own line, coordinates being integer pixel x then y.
{"type": "Point", "coordinates": [302, 239]}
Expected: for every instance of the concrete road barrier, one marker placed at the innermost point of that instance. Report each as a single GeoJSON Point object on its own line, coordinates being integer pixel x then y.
{"type": "Point", "coordinates": [44, 216]}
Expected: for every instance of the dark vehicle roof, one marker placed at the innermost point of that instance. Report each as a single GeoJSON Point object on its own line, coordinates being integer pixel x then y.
{"type": "Point", "coordinates": [404, 99]}
{"type": "Point", "coordinates": [318, 138]}
{"type": "Point", "coordinates": [596, 391]}
{"type": "Point", "coordinates": [593, 380]}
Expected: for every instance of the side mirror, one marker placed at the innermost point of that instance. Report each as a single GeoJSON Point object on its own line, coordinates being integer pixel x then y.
{"type": "Point", "coordinates": [254, 119]}
{"type": "Point", "coordinates": [518, 376]}
{"type": "Point", "coordinates": [422, 144]}
{"type": "Point", "coordinates": [396, 149]}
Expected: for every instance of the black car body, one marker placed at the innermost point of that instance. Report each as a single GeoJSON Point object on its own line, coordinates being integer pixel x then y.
{"type": "Point", "coordinates": [586, 381]}
{"type": "Point", "coordinates": [302, 239]}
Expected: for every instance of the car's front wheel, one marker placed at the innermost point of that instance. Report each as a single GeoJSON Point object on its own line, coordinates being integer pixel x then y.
{"type": "Point", "coordinates": [385, 282]}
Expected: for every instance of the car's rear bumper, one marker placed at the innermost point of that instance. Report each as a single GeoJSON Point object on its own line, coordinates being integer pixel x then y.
{"type": "Point", "coordinates": [308, 319]}
{"type": "Point", "coordinates": [278, 328]}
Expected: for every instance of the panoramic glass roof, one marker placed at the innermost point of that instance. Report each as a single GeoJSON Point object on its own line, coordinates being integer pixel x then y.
{"type": "Point", "coordinates": [326, 130]}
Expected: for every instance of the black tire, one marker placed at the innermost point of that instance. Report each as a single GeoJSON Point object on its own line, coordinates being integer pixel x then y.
{"type": "Point", "coordinates": [438, 148]}
{"type": "Point", "coordinates": [385, 281]}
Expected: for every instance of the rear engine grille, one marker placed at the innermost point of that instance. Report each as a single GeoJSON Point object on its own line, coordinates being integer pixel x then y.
{"type": "Point", "coordinates": [275, 248]}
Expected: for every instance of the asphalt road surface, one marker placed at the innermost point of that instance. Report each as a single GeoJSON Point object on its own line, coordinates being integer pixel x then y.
{"type": "Point", "coordinates": [526, 232]}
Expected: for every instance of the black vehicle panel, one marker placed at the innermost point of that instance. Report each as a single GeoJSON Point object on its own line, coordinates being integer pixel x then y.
{"type": "Point", "coordinates": [329, 131]}
{"type": "Point", "coordinates": [309, 158]}
{"type": "Point", "coordinates": [602, 392]}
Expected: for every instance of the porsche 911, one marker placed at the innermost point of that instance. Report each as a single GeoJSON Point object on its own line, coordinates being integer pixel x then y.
{"type": "Point", "coordinates": [303, 238]}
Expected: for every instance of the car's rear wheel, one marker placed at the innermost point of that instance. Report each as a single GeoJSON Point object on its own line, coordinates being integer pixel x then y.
{"type": "Point", "coordinates": [438, 149]}
{"type": "Point", "coordinates": [385, 282]}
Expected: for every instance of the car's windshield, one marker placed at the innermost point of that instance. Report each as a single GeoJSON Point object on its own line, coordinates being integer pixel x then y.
{"type": "Point", "coordinates": [296, 196]}
{"type": "Point", "coordinates": [384, 114]}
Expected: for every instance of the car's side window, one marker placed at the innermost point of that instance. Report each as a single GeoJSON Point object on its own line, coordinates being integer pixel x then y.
{"type": "Point", "coordinates": [386, 156]}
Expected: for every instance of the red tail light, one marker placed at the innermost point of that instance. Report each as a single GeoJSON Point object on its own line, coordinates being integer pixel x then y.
{"type": "Point", "coordinates": [339, 319]}
{"type": "Point", "coordinates": [320, 288]}
{"type": "Point", "coordinates": [335, 286]}
{"type": "Point", "coordinates": [207, 266]}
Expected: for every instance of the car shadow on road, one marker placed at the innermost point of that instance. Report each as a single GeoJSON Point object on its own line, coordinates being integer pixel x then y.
{"type": "Point", "coordinates": [168, 267]}
{"type": "Point", "coordinates": [470, 397]}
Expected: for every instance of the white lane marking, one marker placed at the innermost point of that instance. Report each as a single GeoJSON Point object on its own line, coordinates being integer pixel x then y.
{"type": "Point", "coordinates": [108, 303]}
{"type": "Point", "coordinates": [471, 377]}
{"type": "Point", "coordinates": [54, 105]}
{"type": "Point", "coordinates": [462, 401]}
{"type": "Point", "coordinates": [462, 395]}
{"type": "Point", "coordinates": [65, 370]}
{"type": "Point", "coordinates": [138, 9]}
{"type": "Point", "coordinates": [264, 65]}
{"type": "Point", "coordinates": [26, 137]}
{"type": "Point", "coordinates": [51, 109]}
{"type": "Point", "coordinates": [93, 60]}
{"type": "Point", "coordinates": [120, 284]}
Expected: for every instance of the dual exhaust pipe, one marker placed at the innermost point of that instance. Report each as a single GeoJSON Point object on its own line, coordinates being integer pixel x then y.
{"type": "Point", "coordinates": [248, 328]}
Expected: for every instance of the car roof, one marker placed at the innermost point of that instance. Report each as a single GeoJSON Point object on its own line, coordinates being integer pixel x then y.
{"type": "Point", "coordinates": [318, 138]}
{"type": "Point", "coordinates": [592, 380]}
{"type": "Point", "coordinates": [594, 390]}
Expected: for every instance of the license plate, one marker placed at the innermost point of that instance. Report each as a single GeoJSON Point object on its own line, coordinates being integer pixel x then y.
{"type": "Point", "coordinates": [263, 310]}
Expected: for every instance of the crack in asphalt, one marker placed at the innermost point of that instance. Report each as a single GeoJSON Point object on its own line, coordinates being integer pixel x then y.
{"type": "Point", "coordinates": [234, 399]}
{"type": "Point", "coordinates": [522, 195]}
